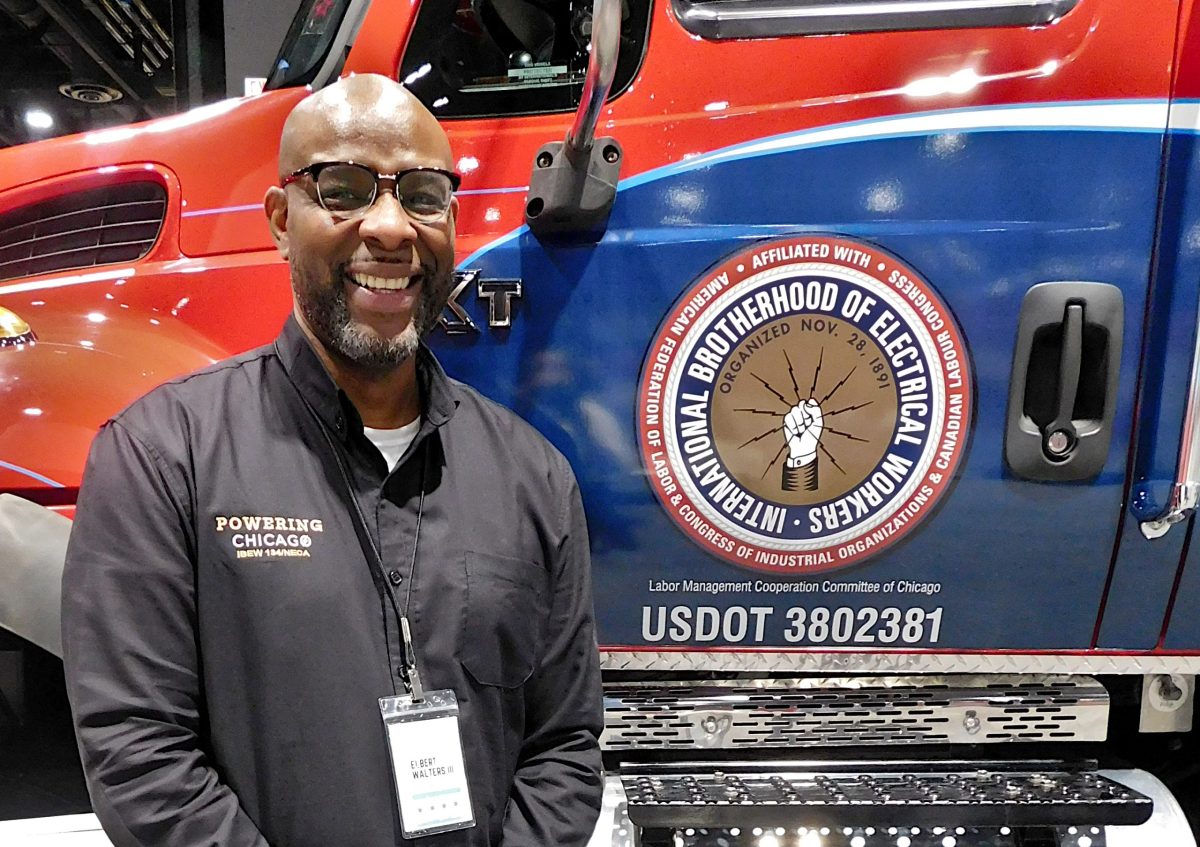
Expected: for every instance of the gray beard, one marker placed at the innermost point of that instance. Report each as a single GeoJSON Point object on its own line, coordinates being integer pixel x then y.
{"type": "Point", "coordinates": [323, 305]}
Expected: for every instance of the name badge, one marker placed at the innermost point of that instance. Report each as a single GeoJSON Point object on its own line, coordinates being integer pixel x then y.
{"type": "Point", "coordinates": [427, 761]}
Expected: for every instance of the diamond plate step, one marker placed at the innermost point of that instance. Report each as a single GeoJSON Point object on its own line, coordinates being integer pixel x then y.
{"type": "Point", "coordinates": [908, 793]}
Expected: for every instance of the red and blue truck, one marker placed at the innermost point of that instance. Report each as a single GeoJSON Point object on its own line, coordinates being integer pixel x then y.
{"type": "Point", "coordinates": [870, 329]}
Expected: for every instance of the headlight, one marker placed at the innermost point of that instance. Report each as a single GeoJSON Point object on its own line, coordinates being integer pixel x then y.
{"type": "Point", "coordinates": [14, 332]}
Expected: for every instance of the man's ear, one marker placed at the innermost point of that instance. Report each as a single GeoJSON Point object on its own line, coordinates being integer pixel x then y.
{"type": "Point", "coordinates": [275, 205]}
{"type": "Point", "coordinates": [454, 214]}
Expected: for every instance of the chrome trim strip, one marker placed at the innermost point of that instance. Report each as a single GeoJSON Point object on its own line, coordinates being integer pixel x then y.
{"type": "Point", "coordinates": [896, 662]}
{"type": "Point", "coordinates": [249, 207]}
{"type": "Point", "coordinates": [31, 474]}
{"type": "Point", "coordinates": [468, 192]}
{"type": "Point", "coordinates": [602, 67]}
{"type": "Point", "coordinates": [806, 712]}
{"type": "Point", "coordinates": [720, 19]}
{"type": "Point", "coordinates": [1185, 494]}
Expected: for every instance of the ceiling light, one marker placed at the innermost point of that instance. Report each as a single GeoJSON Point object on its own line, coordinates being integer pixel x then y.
{"type": "Point", "coordinates": [90, 92]}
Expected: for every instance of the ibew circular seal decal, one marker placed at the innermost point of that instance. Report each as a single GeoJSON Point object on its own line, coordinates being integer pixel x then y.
{"type": "Point", "coordinates": [804, 405]}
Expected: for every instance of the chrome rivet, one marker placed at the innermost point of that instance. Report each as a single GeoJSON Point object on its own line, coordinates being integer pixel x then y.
{"type": "Point", "coordinates": [971, 723]}
{"type": "Point", "coordinates": [1058, 443]}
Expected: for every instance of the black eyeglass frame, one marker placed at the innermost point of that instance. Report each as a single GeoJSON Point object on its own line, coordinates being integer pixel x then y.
{"type": "Point", "coordinates": [313, 172]}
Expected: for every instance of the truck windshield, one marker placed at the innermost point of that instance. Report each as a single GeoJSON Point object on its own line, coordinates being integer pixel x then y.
{"type": "Point", "coordinates": [477, 58]}
{"type": "Point", "coordinates": [308, 41]}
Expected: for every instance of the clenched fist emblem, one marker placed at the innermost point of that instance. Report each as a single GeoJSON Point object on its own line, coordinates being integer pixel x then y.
{"type": "Point", "coordinates": [808, 412]}
{"type": "Point", "coordinates": [802, 427]}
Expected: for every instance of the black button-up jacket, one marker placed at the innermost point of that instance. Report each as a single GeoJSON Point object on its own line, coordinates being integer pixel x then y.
{"type": "Point", "coordinates": [227, 639]}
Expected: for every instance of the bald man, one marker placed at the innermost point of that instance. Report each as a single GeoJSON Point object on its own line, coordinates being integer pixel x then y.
{"type": "Point", "coordinates": [321, 594]}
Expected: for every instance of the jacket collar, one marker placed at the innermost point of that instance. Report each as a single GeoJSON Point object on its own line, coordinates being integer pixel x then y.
{"type": "Point", "coordinates": [439, 396]}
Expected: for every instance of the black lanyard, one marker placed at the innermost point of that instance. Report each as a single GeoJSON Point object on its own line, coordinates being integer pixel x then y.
{"type": "Point", "coordinates": [411, 675]}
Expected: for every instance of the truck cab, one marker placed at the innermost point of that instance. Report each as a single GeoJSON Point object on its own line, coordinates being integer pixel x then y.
{"type": "Point", "coordinates": [870, 331]}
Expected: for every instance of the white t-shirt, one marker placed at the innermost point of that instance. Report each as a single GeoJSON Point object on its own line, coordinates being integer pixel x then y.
{"type": "Point", "coordinates": [393, 442]}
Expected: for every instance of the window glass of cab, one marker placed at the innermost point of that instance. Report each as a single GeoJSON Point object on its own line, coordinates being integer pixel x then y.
{"type": "Point", "coordinates": [479, 58]}
{"type": "Point", "coordinates": [308, 42]}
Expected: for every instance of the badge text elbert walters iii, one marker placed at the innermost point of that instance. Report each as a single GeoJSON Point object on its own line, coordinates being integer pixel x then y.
{"type": "Point", "coordinates": [804, 405]}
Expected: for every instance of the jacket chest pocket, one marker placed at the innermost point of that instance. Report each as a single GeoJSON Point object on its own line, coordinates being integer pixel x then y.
{"type": "Point", "coordinates": [507, 607]}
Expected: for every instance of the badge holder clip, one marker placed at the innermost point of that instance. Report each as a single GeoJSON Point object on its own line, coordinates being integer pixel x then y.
{"type": "Point", "coordinates": [425, 745]}
{"type": "Point", "coordinates": [411, 675]}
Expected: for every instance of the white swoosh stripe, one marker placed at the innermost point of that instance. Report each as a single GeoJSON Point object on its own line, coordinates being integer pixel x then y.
{"type": "Point", "coordinates": [1121, 116]}
{"type": "Point", "coordinates": [1185, 115]}
{"type": "Point", "coordinates": [1110, 115]}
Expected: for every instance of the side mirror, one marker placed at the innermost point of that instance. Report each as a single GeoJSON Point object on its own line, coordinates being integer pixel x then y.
{"type": "Point", "coordinates": [574, 182]}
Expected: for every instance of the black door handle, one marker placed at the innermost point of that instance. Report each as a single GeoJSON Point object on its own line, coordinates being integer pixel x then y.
{"type": "Point", "coordinates": [1059, 436]}
{"type": "Point", "coordinates": [1062, 394]}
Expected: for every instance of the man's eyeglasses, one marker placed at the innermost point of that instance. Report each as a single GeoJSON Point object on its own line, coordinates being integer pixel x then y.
{"type": "Point", "coordinates": [346, 190]}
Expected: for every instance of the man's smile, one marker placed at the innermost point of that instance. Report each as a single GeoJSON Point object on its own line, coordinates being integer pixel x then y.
{"type": "Point", "coordinates": [384, 277]}
{"type": "Point", "coordinates": [381, 283]}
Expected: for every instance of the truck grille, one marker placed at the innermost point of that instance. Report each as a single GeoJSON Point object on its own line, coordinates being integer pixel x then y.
{"type": "Point", "coordinates": [99, 226]}
{"type": "Point", "coordinates": [808, 712]}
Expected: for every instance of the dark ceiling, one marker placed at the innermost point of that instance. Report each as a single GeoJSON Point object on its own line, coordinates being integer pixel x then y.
{"type": "Point", "coordinates": [96, 63]}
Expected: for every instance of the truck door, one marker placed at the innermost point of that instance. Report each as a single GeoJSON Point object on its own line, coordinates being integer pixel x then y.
{"type": "Point", "coordinates": [854, 362]}
{"type": "Point", "coordinates": [1166, 467]}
